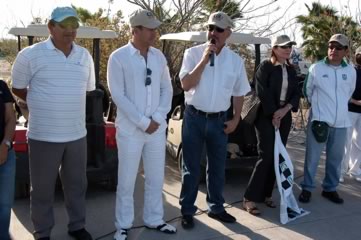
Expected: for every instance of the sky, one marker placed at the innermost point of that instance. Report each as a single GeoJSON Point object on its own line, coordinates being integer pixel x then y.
{"type": "Point", "coordinates": [19, 12]}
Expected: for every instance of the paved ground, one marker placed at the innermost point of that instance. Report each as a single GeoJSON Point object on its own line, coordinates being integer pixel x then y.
{"type": "Point", "coordinates": [326, 220]}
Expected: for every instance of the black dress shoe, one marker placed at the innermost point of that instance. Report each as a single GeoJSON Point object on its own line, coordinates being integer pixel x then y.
{"type": "Point", "coordinates": [305, 196]}
{"type": "Point", "coordinates": [187, 221]}
{"type": "Point", "coordinates": [80, 234]}
{"type": "Point", "coordinates": [332, 196]}
{"type": "Point", "coordinates": [222, 216]}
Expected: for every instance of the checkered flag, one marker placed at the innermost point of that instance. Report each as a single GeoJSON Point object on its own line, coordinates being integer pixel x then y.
{"type": "Point", "coordinates": [289, 209]}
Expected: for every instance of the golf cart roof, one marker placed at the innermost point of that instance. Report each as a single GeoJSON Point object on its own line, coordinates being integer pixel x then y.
{"type": "Point", "coordinates": [235, 38]}
{"type": "Point", "coordinates": [42, 31]}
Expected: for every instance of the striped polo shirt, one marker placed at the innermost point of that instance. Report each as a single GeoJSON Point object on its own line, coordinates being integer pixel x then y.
{"type": "Point", "coordinates": [57, 88]}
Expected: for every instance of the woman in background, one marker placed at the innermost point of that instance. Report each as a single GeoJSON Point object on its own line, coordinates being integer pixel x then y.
{"type": "Point", "coordinates": [7, 159]}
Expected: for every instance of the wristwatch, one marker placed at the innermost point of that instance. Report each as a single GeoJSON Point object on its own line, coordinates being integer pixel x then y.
{"type": "Point", "coordinates": [7, 143]}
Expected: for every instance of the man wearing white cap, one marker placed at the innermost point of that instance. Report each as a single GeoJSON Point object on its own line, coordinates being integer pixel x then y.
{"type": "Point", "coordinates": [53, 77]}
{"type": "Point", "coordinates": [211, 74]}
{"type": "Point", "coordinates": [140, 85]}
{"type": "Point", "coordinates": [328, 87]}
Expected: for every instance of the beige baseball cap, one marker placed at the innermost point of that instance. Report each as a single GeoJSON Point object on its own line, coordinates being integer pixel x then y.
{"type": "Point", "coordinates": [282, 40]}
{"type": "Point", "coordinates": [340, 38]}
{"type": "Point", "coordinates": [220, 19]}
{"type": "Point", "coordinates": [145, 18]}
{"type": "Point", "coordinates": [358, 51]}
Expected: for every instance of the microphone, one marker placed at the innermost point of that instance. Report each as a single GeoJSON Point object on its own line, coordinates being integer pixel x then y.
{"type": "Point", "coordinates": [211, 56]}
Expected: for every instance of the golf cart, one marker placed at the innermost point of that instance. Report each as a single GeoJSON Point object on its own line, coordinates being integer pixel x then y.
{"type": "Point", "coordinates": [102, 150]}
{"type": "Point", "coordinates": [242, 143]}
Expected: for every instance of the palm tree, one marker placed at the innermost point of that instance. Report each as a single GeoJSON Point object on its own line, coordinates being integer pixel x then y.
{"type": "Point", "coordinates": [319, 25]}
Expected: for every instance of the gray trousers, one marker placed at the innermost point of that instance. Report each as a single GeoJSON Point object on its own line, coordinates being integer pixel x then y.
{"type": "Point", "coordinates": [46, 160]}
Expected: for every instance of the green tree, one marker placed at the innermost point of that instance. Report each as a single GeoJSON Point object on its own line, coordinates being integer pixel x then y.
{"type": "Point", "coordinates": [320, 24]}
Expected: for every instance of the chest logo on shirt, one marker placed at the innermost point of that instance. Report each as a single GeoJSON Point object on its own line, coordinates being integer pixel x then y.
{"type": "Point", "coordinates": [344, 77]}
{"type": "Point", "coordinates": [325, 75]}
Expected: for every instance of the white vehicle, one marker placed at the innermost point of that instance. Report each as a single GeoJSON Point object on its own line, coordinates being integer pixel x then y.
{"type": "Point", "coordinates": [242, 143]}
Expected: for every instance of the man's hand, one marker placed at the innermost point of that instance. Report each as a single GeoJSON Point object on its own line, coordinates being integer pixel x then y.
{"type": "Point", "coordinates": [3, 153]}
{"type": "Point", "coordinates": [231, 125]}
{"type": "Point", "coordinates": [153, 126]}
{"type": "Point", "coordinates": [209, 49]}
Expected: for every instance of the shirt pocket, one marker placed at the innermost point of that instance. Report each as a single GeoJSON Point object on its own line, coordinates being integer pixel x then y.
{"type": "Point", "coordinates": [228, 82]}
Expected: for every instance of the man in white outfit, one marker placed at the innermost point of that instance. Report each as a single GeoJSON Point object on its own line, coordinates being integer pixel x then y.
{"type": "Point", "coordinates": [352, 158]}
{"type": "Point", "coordinates": [139, 81]}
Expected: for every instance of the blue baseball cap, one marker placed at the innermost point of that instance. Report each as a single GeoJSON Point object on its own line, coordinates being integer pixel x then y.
{"type": "Point", "coordinates": [61, 13]}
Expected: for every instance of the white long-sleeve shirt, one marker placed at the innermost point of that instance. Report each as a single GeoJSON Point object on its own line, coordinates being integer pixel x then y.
{"type": "Point", "coordinates": [137, 103]}
{"type": "Point", "coordinates": [329, 89]}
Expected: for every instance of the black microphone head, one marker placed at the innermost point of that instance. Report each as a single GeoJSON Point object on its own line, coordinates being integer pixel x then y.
{"type": "Point", "coordinates": [213, 41]}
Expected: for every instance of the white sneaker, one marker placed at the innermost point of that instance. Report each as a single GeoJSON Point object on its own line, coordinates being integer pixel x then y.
{"type": "Point", "coordinates": [121, 234]}
{"type": "Point", "coordinates": [358, 179]}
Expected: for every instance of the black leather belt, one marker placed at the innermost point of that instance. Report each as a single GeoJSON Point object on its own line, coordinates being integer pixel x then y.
{"type": "Point", "coordinates": [206, 114]}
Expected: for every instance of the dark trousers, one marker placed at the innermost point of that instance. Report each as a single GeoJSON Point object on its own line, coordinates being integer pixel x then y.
{"type": "Point", "coordinates": [46, 160]}
{"type": "Point", "coordinates": [197, 131]}
{"type": "Point", "coordinates": [263, 178]}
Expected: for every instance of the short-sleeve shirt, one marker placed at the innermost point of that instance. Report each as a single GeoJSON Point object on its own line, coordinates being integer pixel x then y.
{"type": "Point", "coordinates": [57, 86]}
{"type": "Point", "coordinates": [5, 97]}
{"type": "Point", "coordinates": [218, 83]}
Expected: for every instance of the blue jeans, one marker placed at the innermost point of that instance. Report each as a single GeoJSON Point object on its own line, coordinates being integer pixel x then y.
{"type": "Point", "coordinates": [197, 131]}
{"type": "Point", "coordinates": [7, 188]}
{"type": "Point", "coordinates": [334, 144]}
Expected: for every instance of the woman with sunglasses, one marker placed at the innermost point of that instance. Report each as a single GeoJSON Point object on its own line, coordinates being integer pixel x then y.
{"type": "Point", "coordinates": [277, 88]}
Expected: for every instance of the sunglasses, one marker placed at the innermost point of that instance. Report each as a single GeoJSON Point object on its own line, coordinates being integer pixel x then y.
{"type": "Point", "coordinates": [338, 48]}
{"type": "Point", "coordinates": [68, 24]}
{"type": "Point", "coordinates": [148, 80]}
{"type": "Point", "coordinates": [211, 28]}
{"type": "Point", "coordinates": [285, 46]}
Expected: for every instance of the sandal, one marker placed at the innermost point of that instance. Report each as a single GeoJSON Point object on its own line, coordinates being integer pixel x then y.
{"type": "Point", "coordinates": [269, 203]}
{"type": "Point", "coordinates": [164, 228]}
{"type": "Point", "coordinates": [250, 207]}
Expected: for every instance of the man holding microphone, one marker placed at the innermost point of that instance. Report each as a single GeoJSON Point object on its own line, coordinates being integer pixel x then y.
{"type": "Point", "coordinates": [211, 74]}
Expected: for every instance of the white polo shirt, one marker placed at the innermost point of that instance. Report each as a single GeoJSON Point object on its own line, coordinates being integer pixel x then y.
{"type": "Point", "coordinates": [57, 88]}
{"type": "Point", "coordinates": [226, 78]}
{"type": "Point", "coordinates": [136, 102]}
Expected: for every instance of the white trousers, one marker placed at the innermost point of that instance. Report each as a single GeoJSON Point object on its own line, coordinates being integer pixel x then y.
{"type": "Point", "coordinates": [152, 150]}
{"type": "Point", "coordinates": [352, 159]}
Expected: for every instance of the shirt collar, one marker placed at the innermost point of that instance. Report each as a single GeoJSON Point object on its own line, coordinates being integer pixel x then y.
{"type": "Point", "coordinates": [134, 50]}
{"type": "Point", "coordinates": [327, 61]}
{"type": "Point", "coordinates": [50, 45]}
{"type": "Point", "coordinates": [280, 64]}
